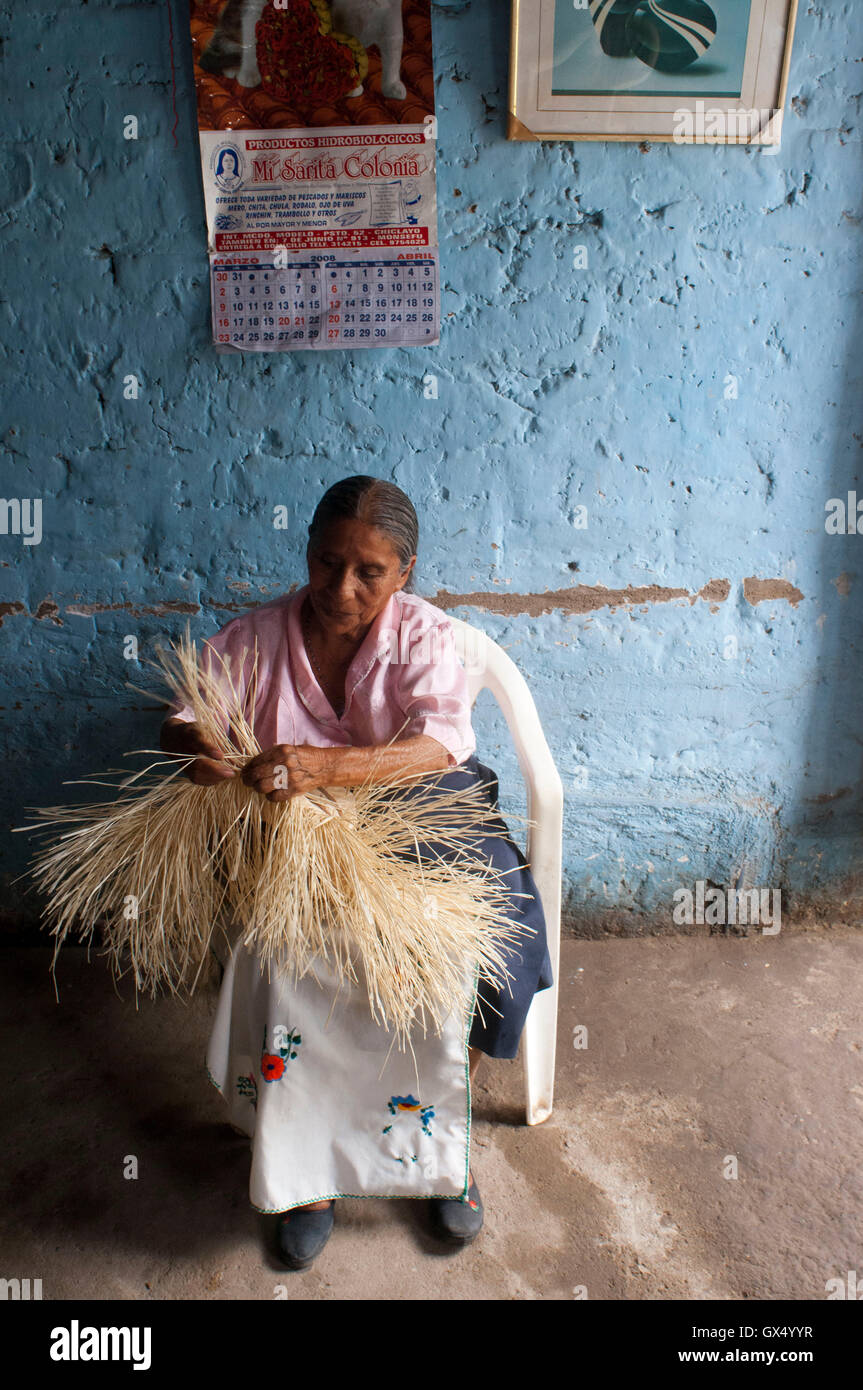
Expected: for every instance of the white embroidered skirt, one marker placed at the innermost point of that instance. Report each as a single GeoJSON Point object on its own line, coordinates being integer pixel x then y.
{"type": "Point", "coordinates": [332, 1107]}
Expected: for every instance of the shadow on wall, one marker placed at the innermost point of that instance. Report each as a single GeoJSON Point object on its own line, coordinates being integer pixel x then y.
{"type": "Point", "coordinates": [93, 739]}
{"type": "Point", "coordinates": [824, 833]}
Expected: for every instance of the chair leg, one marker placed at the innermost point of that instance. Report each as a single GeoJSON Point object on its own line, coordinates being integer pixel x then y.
{"type": "Point", "coordinates": [540, 1038]}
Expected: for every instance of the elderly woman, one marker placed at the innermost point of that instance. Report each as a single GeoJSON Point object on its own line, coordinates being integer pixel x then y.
{"type": "Point", "coordinates": [335, 706]}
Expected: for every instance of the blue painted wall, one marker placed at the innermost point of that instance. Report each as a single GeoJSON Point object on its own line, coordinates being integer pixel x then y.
{"type": "Point", "coordinates": [699, 737]}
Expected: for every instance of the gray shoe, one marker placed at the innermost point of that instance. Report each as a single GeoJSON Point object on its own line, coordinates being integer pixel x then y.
{"type": "Point", "coordinates": [303, 1235]}
{"type": "Point", "coordinates": [456, 1221]}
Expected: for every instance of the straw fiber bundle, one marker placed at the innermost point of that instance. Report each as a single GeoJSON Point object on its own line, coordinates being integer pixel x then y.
{"type": "Point", "coordinates": [344, 876]}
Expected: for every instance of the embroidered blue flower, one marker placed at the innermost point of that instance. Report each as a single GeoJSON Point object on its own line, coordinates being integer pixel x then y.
{"type": "Point", "coordinates": [410, 1103]}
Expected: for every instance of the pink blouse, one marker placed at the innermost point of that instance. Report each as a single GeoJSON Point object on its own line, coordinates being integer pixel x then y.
{"type": "Point", "coordinates": [406, 672]}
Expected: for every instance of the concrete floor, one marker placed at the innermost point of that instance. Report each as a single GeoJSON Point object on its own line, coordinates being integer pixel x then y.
{"type": "Point", "coordinates": [699, 1049]}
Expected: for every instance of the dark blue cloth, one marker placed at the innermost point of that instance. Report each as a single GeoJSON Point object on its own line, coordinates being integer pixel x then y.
{"type": "Point", "coordinates": [500, 1015]}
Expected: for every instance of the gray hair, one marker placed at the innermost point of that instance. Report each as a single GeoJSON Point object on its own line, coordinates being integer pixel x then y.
{"type": "Point", "coordinates": [376, 503]}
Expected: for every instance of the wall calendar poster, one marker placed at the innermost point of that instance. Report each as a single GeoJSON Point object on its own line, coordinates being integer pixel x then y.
{"type": "Point", "coordinates": [317, 133]}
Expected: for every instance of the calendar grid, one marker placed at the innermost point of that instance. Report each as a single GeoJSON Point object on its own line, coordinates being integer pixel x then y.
{"type": "Point", "coordinates": [325, 302]}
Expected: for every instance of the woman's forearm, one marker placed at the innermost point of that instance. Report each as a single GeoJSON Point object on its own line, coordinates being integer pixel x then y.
{"type": "Point", "coordinates": [288, 770]}
{"type": "Point", "coordinates": [349, 767]}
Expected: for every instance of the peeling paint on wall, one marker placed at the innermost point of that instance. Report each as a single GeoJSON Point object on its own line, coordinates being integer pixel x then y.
{"type": "Point", "coordinates": [759, 590]}
{"type": "Point", "coordinates": [7, 608]}
{"type": "Point", "coordinates": [582, 598]}
{"type": "Point", "coordinates": [87, 610]}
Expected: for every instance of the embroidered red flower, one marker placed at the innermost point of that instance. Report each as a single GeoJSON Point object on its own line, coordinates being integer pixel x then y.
{"type": "Point", "coordinates": [271, 1067]}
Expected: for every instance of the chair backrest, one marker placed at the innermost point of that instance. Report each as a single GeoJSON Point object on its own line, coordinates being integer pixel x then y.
{"type": "Point", "coordinates": [488, 667]}
{"type": "Point", "coordinates": [473, 647]}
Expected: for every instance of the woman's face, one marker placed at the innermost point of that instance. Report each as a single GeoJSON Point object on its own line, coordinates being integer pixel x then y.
{"type": "Point", "coordinates": [353, 572]}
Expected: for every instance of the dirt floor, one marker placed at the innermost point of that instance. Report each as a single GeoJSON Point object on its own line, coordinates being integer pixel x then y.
{"type": "Point", "coordinates": [700, 1051]}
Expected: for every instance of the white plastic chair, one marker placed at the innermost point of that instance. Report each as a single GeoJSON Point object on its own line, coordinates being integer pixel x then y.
{"type": "Point", "coordinates": [488, 667]}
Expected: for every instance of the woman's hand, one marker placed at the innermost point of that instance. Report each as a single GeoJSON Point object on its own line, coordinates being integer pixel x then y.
{"type": "Point", "coordinates": [182, 737]}
{"type": "Point", "coordinates": [288, 770]}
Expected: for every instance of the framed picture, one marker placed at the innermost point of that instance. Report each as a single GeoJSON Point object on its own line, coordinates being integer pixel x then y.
{"type": "Point", "coordinates": [684, 70]}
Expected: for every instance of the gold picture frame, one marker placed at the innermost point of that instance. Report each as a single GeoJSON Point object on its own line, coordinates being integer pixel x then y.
{"type": "Point", "coordinates": [564, 86]}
